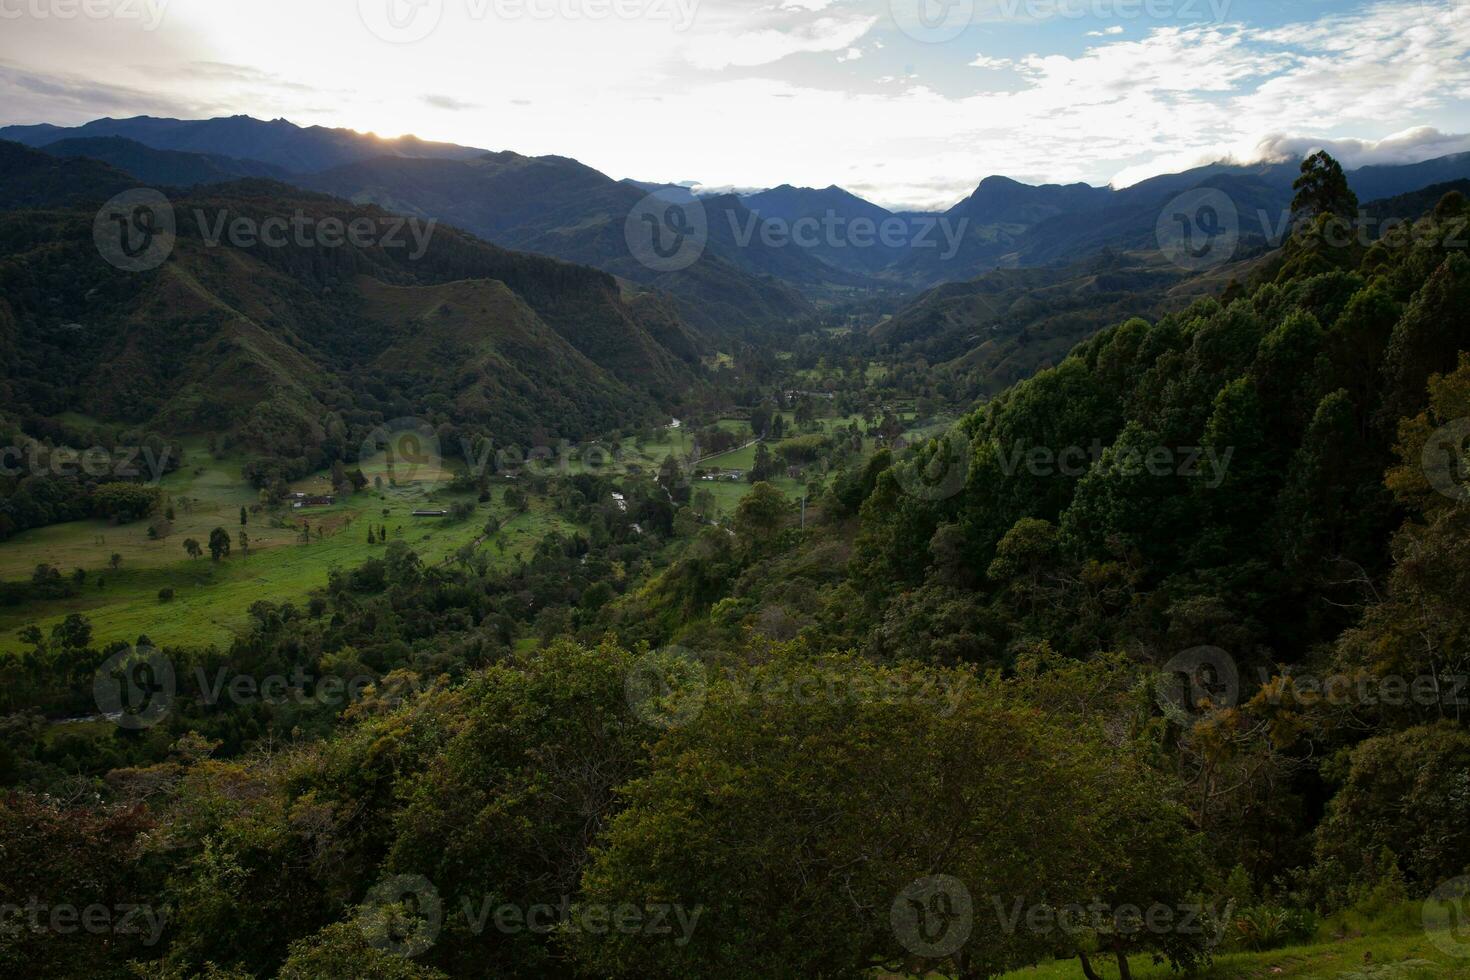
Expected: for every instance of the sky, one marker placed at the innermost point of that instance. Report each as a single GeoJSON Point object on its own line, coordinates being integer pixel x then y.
{"type": "Point", "coordinates": [908, 103]}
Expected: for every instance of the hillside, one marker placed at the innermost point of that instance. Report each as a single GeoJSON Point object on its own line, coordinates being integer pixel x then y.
{"type": "Point", "coordinates": [168, 168]}
{"type": "Point", "coordinates": [830, 213]}
{"type": "Point", "coordinates": [1006, 324]}
{"type": "Point", "coordinates": [1009, 224]}
{"type": "Point", "coordinates": [1000, 327]}
{"type": "Point", "coordinates": [294, 351]}
{"type": "Point", "coordinates": [31, 179]}
{"type": "Point", "coordinates": [559, 207]}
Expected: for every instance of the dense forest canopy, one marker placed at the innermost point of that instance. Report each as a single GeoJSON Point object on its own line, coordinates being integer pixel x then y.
{"type": "Point", "coordinates": [1162, 651]}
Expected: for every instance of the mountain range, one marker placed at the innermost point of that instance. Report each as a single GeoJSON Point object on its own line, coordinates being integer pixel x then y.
{"type": "Point", "coordinates": [560, 207]}
{"type": "Point", "coordinates": [1006, 280]}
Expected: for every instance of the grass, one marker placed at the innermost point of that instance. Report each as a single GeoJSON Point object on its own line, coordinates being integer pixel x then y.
{"type": "Point", "coordinates": [1412, 957]}
{"type": "Point", "coordinates": [1395, 946]}
{"type": "Point", "coordinates": [211, 599]}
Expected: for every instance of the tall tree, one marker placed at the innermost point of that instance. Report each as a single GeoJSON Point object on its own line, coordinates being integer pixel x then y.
{"type": "Point", "coordinates": [1322, 189]}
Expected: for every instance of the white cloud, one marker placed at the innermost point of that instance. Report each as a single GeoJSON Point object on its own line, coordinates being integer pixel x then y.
{"type": "Point", "coordinates": [1106, 32]}
{"type": "Point", "coordinates": [1409, 146]}
{"type": "Point", "coordinates": [763, 92]}
{"type": "Point", "coordinates": [748, 48]}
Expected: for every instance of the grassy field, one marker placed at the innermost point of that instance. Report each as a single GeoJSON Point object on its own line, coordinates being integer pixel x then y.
{"type": "Point", "coordinates": [1392, 947]}
{"type": "Point", "coordinates": [1412, 957]}
{"type": "Point", "coordinates": [211, 598]}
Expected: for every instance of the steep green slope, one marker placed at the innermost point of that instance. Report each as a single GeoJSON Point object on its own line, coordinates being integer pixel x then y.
{"type": "Point", "coordinates": [298, 350]}
{"type": "Point", "coordinates": [559, 207]}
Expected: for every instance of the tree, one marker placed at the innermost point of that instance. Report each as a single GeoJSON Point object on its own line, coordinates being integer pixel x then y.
{"type": "Point", "coordinates": [192, 547]}
{"type": "Point", "coordinates": [1427, 340]}
{"type": "Point", "coordinates": [1404, 792]}
{"type": "Point", "coordinates": [342, 951]}
{"type": "Point", "coordinates": [764, 467]}
{"type": "Point", "coordinates": [669, 475]}
{"type": "Point", "coordinates": [124, 502]}
{"type": "Point", "coordinates": [244, 518]}
{"type": "Point", "coordinates": [244, 542]}
{"type": "Point", "coordinates": [535, 762]}
{"type": "Point", "coordinates": [1322, 189]}
{"type": "Point", "coordinates": [219, 544]}
{"type": "Point", "coordinates": [761, 516]}
{"type": "Point", "coordinates": [72, 633]}
{"type": "Point", "coordinates": [115, 561]}
{"type": "Point", "coordinates": [881, 760]}
{"type": "Point", "coordinates": [760, 420]}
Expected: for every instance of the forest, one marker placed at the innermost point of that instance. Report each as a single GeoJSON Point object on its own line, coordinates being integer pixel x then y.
{"type": "Point", "coordinates": [1157, 657]}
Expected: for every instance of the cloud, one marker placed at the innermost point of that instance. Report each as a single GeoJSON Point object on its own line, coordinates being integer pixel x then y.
{"type": "Point", "coordinates": [762, 46]}
{"type": "Point", "coordinates": [1163, 93]}
{"type": "Point", "coordinates": [1410, 146]}
{"type": "Point", "coordinates": [448, 102]}
{"type": "Point", "coordinates": [67, 98]}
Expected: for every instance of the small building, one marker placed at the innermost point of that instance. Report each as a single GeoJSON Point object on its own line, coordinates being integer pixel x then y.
{"type": "Point", "coordinates": [621, 501]}
{"type": "Point", "coordinates": [431, 513]}
{"type": "Point", "coordinates": [300, 500]}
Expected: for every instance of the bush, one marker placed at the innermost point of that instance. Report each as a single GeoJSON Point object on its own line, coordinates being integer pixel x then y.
{"type": "Point", "coordinates": [1263, 927]}
{"type": "Point", "coordinates": [165, 595]}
